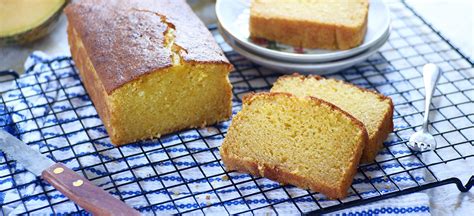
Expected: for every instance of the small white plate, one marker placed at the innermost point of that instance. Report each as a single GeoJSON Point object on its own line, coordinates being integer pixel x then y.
{"type": "Point", "coordinates": [234, 15]}
{"type": "Point", "coordinates": [315, 68]}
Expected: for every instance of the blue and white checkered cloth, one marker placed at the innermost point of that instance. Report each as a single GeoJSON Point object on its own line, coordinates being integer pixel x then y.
{"type": "Point", "coordinates": [54, 115]}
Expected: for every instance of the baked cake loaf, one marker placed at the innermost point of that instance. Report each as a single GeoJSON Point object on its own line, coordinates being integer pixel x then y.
{"type": "Point", "coordinates": [371, 108]}
{"type": "Point", "coordinates": [151, 67]}
{"type": "Point", "coordinates": [322, 24]}
{"type": "Point", "coordinates": [306, 142]}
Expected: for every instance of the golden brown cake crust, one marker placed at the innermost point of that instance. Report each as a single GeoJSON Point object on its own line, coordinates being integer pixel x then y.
{"type": "Point", "coordinates": [91, 83]}
{"type": "Point", "coordinates": [125, 39]}
{"type": "Point", "coordinates": [375, 144]}
{"type": "Point", "coordinates": [280, 175]}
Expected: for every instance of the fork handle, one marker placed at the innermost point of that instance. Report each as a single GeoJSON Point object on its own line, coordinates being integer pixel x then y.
{"type": "Point", "coordinates": [431, 74]}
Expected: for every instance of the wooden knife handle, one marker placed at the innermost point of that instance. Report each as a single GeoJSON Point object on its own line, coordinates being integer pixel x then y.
{"type": "Point", "coordinates": [84, 193]}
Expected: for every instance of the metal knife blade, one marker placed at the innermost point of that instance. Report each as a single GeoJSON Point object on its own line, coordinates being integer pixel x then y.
{"type": "Point", "coordinates": [32, 160]}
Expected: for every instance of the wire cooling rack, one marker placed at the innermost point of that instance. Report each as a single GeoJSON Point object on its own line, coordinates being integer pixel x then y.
{"type": "Point", "coordinates": [183, 173]}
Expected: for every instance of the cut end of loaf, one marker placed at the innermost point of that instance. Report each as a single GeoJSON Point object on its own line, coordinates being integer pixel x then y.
{"type": "Point", "coordinates": [306, 142]}
{"type": "Point", "coordinates": [189, 95]}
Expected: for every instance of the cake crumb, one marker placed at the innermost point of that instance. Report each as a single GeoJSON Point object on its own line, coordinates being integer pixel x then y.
{"type": "Point", "coordinates": [225, 178]}
{"type": "Point", "coordinates": [208, 197]}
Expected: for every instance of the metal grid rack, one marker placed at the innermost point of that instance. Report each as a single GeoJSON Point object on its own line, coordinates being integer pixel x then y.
{"type": "Point", "coordinates": [194, 179]}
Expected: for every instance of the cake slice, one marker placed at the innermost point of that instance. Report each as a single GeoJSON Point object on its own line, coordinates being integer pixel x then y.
{"type": "Point", "coordinates": [340, 24]}
{"type": "Point", "coordinates": [374, 110]}
{"type": "Point", "coordinates": [151, 67]}
{"type": "Point", "coordinates": [305, 142]}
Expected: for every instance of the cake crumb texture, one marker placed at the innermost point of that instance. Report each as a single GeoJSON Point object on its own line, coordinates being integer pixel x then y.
{"type": "Point", "coordinates": [374, 110]}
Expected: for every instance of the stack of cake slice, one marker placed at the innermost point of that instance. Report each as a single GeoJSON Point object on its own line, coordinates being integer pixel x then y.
{"type": "Point", "coordinates": [304, 35]}
{"type": "Point", "coordinates": [308, 131]}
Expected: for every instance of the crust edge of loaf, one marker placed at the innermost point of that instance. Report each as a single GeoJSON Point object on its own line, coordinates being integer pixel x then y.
{"type": "Point", "coordinates": [277, 174]}
{"type": "Point", "coordinates": [93, 85]}
{"type": "Point", "coordinates": [373, 145]}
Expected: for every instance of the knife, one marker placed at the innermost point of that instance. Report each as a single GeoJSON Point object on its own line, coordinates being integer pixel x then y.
{"type": "Point", "coordinates": [75, 187]}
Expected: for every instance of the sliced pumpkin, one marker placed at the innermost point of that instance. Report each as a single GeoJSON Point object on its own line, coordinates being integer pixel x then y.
{"type": "Point", "coordinates": [23, 21]}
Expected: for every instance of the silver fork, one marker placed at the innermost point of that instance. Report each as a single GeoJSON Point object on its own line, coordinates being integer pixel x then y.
{"type": "Point", "coordinates": [422, 140]}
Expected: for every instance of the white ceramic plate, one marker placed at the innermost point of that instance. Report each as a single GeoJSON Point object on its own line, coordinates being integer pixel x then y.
{"type": "Point", "coordinates": [315, 68]}
{"type": "Point", "coordinates": [233, 16]}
